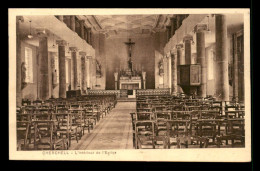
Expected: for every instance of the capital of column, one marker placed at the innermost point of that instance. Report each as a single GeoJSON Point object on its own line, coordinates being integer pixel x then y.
{"type": "Point", "coordinates": [82, 21]}
{"type": "Point", "coordinates": [73, 49]}
{"type": "Point", "coordinates": [61, 42]}
{"type": "Point", "coordinates": [200, 27]}
{"type": "Point", "coordinates": [179, 46]}
{"type": "Point", "coordinates": [173, 18]}
{"type": "Point", "coordinates": [173, 51]}
{"type": "Point", "coordinates": [81, 53]}
{"type": "Point", "coordinates": [188, 37]}
{"type": "Point", "coordinates": [41, 32]}
{"type": "Point", "coordinates": [168, 55]}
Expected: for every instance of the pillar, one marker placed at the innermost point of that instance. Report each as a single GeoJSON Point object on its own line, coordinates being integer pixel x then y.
{"type": "Point", "coordinates": [169, 70]}
{"type": "Point", "coordinates": [235, 73]}
{"type": "Point", "coordinates": [222, 87]}
{"type": "Point", "coordinates": [173, 26]}
{"type": "Point", "coordinates": [144, 79]}
{"type": "Point", "coordinates": [201, 59]}
{"type": "Point", "coordinates": [168, 32]}
{"type": "Point", "coordinates": [174, 72]}
{"type": "Point", "coordinates": [74, 75]}
{"type": "Point", "coordinates": [43, 68]}
{"type": "Point", "coordinates": [180, 61]}
{"type": "Point", "coordinates": [83, 71]}
{"type": "Point", "coordinates": [116, 79]}
{"type": "Point", "coordinates": [66, 20]}
{"type": "Point", "coordinates": [88, 71]}
{"type": "Point", "coordinates": [18, 63]}
{"type": "Point", "coordinates": [62, 68]}
{"type": "Point", "coordinates": [82, 33]}
{"type": "Point", "coordinates": [72, 23]}
{"type": "Point", "coordinates": [88, 35]}
{"type": "Point", "coordinates": [187, 43]}
{"type": "Point", "coordinates": [180, 56]}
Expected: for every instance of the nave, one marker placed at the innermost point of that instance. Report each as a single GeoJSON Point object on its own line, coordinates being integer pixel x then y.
{"type": "Point", "coordinates": [152, 122]}
{"type": "Point", "coordinates": [112, 132]}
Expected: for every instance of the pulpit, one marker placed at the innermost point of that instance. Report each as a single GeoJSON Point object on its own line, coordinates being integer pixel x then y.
{"type": "Point", "coordinates": [189, 77]}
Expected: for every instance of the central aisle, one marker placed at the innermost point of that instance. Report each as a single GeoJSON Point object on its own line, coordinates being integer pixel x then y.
{"type": "Point", "coordinates": [114, 131]}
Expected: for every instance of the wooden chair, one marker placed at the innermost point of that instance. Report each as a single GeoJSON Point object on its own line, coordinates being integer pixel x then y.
{"type": "Point", "coordinates": [63, 127]}
{"type": "Point", "coordinates": [45, 138]}
{"type": "Point", "coordinates": [177, 133]}
{"type": "Point", "coordinates": [22, 128]}
{"type": "Point", "coordinates": [235, 131]}
{"type": "Point", "coordinates": [144, 134]}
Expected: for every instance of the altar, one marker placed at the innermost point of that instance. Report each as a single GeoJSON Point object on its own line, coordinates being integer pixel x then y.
{"type": "Point", "coordinates": [132, 83]}
{"type": "Point", "coordinates": [129, 80]}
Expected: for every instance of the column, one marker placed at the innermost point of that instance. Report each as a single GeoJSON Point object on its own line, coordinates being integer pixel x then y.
{"type": "Point", "coordinates": [180, 61]}
{"type": "Point", "coordinates": [173, 25]}
{"type": "Point", "coordinates": [88, 71]}
{"type": "Point", "coordinates": [72, 23]}
{"type": "Point", "coordinates": [180, 56]}
{"type": "Point", "coordinates": [62, 68]}
{"type": "Point", "coordinates": [235, 64]}
{"type": "Point", "coordinates": [168, 32]}
{"type": "Point", "coordinates": [174, 72]}
{"type": "Point", "coordinates": [116, 79]}
{"type": "Point", "coordinates": [144, 79]}
{"type": "Point", "coordinates": [82, 35]}
{"type": "Point", "coordinates": [222, 87]}
{"type": "Point", "coordinates": [74, 70]}
{"type": "Point", "coordinates": [88, 35]}
{"type": "Point", "coordinates": [169, 70]}
{"type": "Point", "coordinates": [187, 43]}
{"type": "Point", "coordinates": [18, 63]}
{"type": "Point", "coordinates": [83, 71]}
{"type": "Point", "coordinates": [201, 59]}
{"type": "Point", "coordinates": [66, 20]}
{"type": "Point", "coordinates": [43, 67]}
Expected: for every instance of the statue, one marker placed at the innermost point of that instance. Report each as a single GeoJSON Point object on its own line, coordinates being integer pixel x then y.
{"type": "Point", "coordinates": [23, 73]}
{"type": "Point", "coordinates": [98, 69]}
{"type": "Point", "coordinates": [160, 66]}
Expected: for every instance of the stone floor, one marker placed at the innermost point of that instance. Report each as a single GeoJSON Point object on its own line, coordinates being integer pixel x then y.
{"type": "Point", "coordinates": [114, 131]}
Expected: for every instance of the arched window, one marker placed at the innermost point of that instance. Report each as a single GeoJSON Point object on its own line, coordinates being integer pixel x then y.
{"type": "Point", "coordinates": [28, 65]}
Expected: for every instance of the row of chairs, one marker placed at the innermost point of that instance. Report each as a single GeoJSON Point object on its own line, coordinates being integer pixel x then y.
{"type": "Point", "coordinates": [54, 123]}
{"type": "Point", "coordinates": [166, 122]}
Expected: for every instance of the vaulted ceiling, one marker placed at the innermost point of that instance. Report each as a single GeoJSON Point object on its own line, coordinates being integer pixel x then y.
{"type": "Point", "coordinates": [127, 25]}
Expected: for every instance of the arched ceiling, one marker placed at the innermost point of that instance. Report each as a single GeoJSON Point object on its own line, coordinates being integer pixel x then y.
{"type": "Point", "coordinates": [127, 25]}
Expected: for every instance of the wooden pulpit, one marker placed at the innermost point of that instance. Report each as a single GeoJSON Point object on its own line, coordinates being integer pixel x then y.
{"type": "Point", "coordinates": [189, 77]}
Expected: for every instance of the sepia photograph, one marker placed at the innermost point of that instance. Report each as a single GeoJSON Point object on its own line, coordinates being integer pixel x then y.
{"type": "Point", "coordinates": [129, 84]}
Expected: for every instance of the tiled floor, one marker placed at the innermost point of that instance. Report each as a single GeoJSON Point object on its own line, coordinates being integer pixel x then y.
{"type": "Point", "coordinates": [114, 131]}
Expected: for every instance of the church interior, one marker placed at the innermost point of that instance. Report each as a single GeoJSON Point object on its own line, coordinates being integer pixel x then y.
{"type": "Point", "coordinates": [94, 82]}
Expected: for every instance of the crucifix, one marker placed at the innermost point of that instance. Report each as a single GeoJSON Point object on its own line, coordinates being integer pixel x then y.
{"type": "Point", "coordinates": [130, 44]}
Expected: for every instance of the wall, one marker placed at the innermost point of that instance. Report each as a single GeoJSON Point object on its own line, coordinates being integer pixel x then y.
{"type": "Point", "coordinates": [159, 43]}
{"type": "Point", "coordinates": [143, 55]}
{"type": "Point", "coordinates": [99, 46]}
{"type": "Point", "coordinates": [30, 91]}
